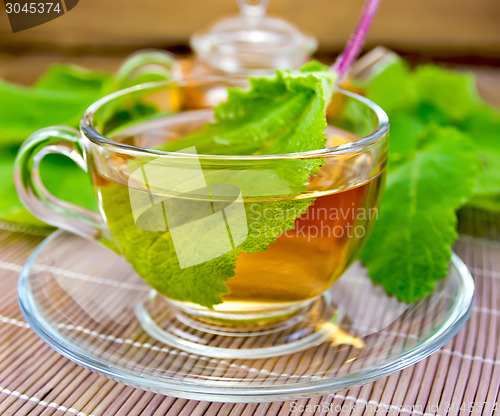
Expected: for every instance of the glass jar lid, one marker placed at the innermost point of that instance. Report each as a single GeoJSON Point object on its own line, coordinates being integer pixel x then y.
{"type": "Point", "coordinates": [252, 42]}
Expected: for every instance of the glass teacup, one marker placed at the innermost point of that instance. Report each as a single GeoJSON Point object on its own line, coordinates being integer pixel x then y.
{"type": "Point", "coordinates": [229, 243]}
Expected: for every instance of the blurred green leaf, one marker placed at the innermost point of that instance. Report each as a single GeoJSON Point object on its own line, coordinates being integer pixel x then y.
{"type": "Point", "coordinates": [433, 96]}
{"type": "Point", "coordinates": [74, 79]}
{"type": "Point", "coordinates": [409, 249]}
{"type": "Point", "coordinates": [59, 97]}
{"type": "Point", "coordinates": [444, 153]}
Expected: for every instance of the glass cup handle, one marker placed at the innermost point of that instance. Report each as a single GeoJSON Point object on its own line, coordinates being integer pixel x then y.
{"type": "Point", "coordinates": [146, 62]}
{"type": "Point", "coordinates": [35, 196]}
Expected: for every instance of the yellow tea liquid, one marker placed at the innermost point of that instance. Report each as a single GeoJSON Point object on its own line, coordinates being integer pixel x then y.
{"type": "Point", "coordinates": [302, 262]}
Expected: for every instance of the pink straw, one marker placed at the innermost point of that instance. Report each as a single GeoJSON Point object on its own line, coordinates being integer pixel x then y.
{"type": "Point", "coordinates": [351, 51]}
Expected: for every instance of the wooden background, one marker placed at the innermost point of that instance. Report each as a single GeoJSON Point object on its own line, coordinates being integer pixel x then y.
{"type": "Point", "coordinates": [463, 27]}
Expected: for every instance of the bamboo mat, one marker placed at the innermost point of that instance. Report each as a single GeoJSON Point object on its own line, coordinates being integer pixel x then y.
{"type": "Point", "coordinates": [465, 373]}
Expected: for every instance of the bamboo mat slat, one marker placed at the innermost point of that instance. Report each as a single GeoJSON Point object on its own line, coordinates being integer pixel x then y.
{"type": "Point", "coordinates": [35, 380]}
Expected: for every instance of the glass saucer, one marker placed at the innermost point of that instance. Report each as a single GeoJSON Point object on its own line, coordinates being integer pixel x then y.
{"type": "Point", "coordinates": [86, 303]}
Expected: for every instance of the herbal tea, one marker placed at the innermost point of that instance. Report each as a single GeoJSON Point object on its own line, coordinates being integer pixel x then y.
{"type": "Point", "coordinates": [305, 261]}
{"type": "Point", "coordinates": [294, 248]}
